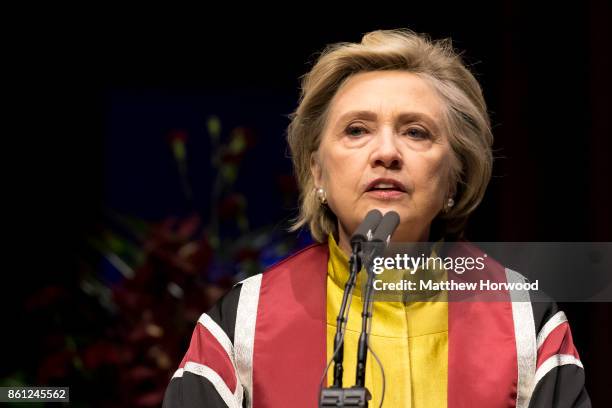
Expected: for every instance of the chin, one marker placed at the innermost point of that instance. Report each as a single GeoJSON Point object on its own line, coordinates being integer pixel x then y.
{"type": "Point", "coordinates": [385, 205]}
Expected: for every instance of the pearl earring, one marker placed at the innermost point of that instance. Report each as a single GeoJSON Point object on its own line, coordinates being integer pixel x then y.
{"type": "Point", "coordinates": [322, 196]}
{"type": "Point", "coordinates": [450, 202]}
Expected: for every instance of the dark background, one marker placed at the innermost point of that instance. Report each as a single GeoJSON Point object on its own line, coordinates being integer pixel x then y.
{"type": "Point", "coordinates": [97, 91]}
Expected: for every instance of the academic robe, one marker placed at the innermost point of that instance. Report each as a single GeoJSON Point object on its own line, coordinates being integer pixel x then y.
{"type": "Point", "coordinates": [264, 345]}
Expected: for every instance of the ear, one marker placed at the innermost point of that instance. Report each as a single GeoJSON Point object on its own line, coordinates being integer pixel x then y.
{"type": "Point", "coordinates": [315, 168]}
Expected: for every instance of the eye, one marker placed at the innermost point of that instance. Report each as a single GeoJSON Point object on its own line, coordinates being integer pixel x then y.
{"type": "Point", "coordinates": [355, 131]}
{"type": "Point", "coordinates": [417, 133]}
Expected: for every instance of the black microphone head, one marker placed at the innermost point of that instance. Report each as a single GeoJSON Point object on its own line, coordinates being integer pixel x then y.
{"type": "Point", "coordinates": [387, 226]}
{"type": "Point", "coordinates": [367, 227]}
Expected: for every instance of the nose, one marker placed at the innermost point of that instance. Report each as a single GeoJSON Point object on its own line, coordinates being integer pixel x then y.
{"type": "Point", "coordinates": [386, 152]}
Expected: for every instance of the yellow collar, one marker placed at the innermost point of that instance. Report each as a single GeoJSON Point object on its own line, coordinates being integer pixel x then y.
{"type": "Point", "coordinates": [339, 270]}
{"type": "Point", "coordinates": [392, 319]}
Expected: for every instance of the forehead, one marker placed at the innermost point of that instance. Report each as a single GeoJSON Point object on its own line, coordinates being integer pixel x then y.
{"type": "Point", "coordinates": [386, 93]}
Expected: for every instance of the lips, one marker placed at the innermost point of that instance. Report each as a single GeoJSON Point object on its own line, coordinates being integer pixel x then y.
{"type": "Point", "coordinates": [386, 184]}
{"type": "Point", "coordinates": [386, 189]}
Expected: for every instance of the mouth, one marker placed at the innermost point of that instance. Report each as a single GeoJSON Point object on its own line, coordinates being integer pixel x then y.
{"type": "Point", "coordinates": [385, 189]}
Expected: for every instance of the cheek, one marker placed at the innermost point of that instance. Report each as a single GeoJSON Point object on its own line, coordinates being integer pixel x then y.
{"type": "Point", "coordinates": [342, 172]}
{"type": "Point", "coordinates": [431, 175]}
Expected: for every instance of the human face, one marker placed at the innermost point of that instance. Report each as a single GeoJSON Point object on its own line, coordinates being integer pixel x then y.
{"type": "Point", "coordinates": [384, 146]}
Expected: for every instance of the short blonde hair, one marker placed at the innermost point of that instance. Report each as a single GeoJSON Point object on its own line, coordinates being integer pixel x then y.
{"type": "Point", "coordinates": [467, 121]}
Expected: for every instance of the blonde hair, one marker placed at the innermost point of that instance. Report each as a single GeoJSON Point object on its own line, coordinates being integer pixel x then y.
{"type": "Point", "coordinates": [467, 121]}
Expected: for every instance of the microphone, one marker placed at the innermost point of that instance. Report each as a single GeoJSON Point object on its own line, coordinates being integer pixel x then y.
{"type": "Point", "coordinates": [381, 238]}
{"type": "Point", "coordinates": [383, 233]}
{"type": "Point", "coordinates": [362, 233]}
{"type": "Point", "coordinates": [379, 229]}
{"type": "Point", "coordinates": [386, 228]}
{"type": "Point", "coordinates": [369, 224]}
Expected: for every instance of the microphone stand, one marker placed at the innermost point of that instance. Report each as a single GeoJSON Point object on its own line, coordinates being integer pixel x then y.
{"type": "Point", "coordinates": [381, 239]}
{"type": "Point", "coordinates": [366, 318]}
{"type": "Point", "coordinates": [354, 267]}
{"type": "Point", "coordinates": [336, 396]}
{"type": "Point", "coordinates": [358, 396]}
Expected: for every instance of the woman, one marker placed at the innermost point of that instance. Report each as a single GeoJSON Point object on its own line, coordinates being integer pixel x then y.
{"type": "Point", "coordinates": [396, 122]}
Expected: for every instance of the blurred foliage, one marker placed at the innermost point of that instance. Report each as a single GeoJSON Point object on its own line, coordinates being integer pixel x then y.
{"type": "Point", "coordinates": [117, 333]}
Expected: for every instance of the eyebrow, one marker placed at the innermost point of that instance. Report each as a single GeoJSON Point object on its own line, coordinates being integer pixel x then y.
{"type": "Point", "coordinates": [361, 114]}
{"type": "Point", "coordinates": [402, 117]}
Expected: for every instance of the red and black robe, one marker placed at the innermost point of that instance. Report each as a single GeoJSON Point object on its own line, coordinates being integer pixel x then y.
{"type": "Point", "coordinates": [264, 345]}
